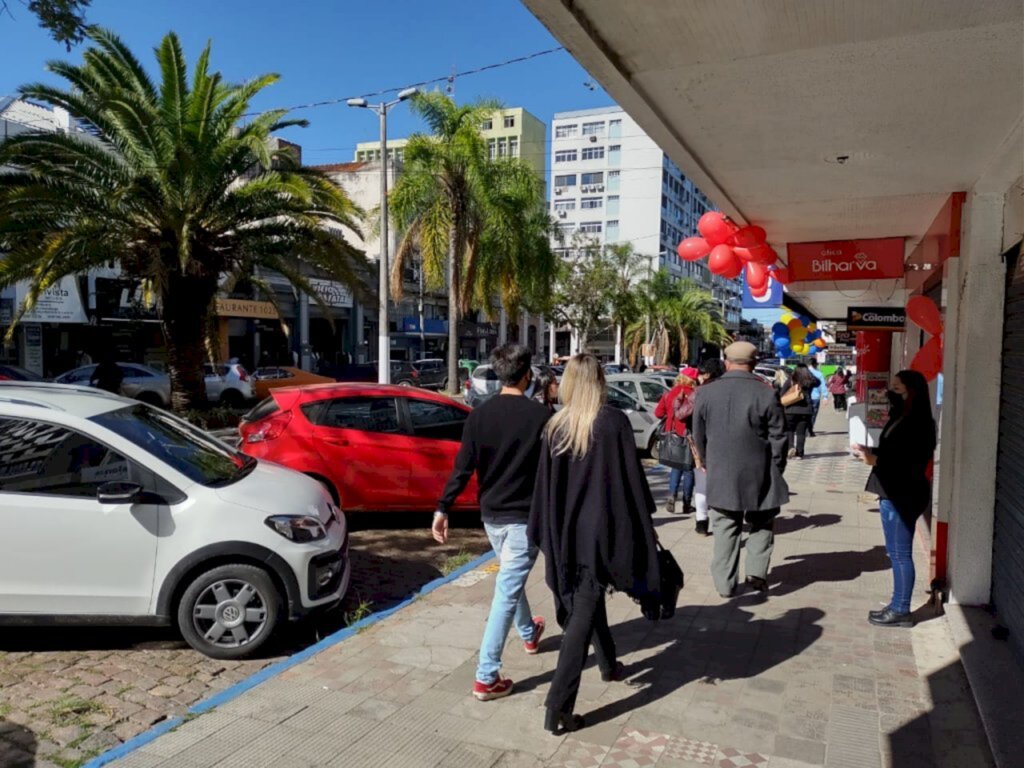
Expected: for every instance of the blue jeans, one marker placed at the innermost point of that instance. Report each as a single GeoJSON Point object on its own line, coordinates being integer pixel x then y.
{"type": "Point", "coordinates": [899, 544]}
{"type": "Point", "coordinates": [815, 407]}
{"type": "Point", "coordinates": [516, 557]}
{"type": "Point", "coordinates": [674, 478]}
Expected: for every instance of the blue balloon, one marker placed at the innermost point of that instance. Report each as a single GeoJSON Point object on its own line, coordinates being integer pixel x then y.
{"type": "Point", "coordinates": [805, 320]}
{"type": "Point", "coordinates": [780, 331]}
{"type": "Point", "coordinates": [814, 335]}
{"type": "Point", "coordinates": [782, 347]}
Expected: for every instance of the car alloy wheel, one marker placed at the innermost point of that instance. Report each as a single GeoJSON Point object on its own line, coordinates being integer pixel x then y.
{"type": "Point", "coordinates": [230, 613]}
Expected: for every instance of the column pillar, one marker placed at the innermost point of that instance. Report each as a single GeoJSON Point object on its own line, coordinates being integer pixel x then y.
{"type": "Point", "coordinates": [502, 326]}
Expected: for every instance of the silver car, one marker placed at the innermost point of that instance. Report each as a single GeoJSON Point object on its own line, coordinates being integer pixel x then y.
{"type": "Point", "coordinates": [228, 384]}
{"type": "Point", "coordinates": [140, 382]}
{"type": "Point", "coordinates": [483, 384]}
{"type": "Point", "coordinates": [641, 419]}
{"type": "Point", "coordinates": [644, 388]}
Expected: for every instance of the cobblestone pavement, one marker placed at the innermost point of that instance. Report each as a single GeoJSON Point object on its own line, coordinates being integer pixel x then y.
{"type": "Point", "coordinates": [793, 680]}
{"type": "Point", "coordinates": [67, 694]}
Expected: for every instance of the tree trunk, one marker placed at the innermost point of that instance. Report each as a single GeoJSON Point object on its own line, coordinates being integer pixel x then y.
{"type": "Point", "coordinates": [453, 318]}
{"type": "Point", "coordinates": [186, 306]}
{"type": "Point", "coordinates": [618, 343]}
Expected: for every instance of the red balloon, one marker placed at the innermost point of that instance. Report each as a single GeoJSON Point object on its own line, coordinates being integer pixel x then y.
{"type": "Point", "coordinates": [757, 276]}
{"type": "Point", "coordinates": [781, 274]}
{"type": "Point", "coordinates": [923, 312]}
{"type": "Point", "coordinates": [724, 262]}
{"type": "Point", "coordinates": [762, 253]}
{"type": "Point", "coordinates": [757, 293]}
{"type": "Point", "coordinates": [749, 236]}
{"type": "Point", "coordinates": [745, 254]}
{"type": "Point", "coordinates": [693, 248]}
{"type": "Point", "coordinates": [928, 360]}
{"type": "Point", "coordinates": [716, 227]}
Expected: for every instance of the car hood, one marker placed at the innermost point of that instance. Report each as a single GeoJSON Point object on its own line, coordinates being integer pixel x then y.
{"type": "Point", "coordinates": [277, 490]}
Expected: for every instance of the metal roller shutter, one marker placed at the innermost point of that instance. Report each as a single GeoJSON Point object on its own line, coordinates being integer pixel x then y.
{"type": "Point", "coordinates": [1008, 543]}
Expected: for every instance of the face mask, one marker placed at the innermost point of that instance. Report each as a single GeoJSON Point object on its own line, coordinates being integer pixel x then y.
{"type": "Point", "coordinates": [896, 401]}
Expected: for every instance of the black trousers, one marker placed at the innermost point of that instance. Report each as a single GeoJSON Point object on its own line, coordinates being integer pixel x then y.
{"type": "Point", "coordinates": [839, 400]}
{"type": "Point", "coordinates": [799, 426]}
{"type": "Point", "coordinates": [588, 621]}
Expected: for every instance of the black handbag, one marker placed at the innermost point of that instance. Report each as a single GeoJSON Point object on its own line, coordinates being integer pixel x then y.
{"type": "Point", "coordinates": [662, 605]}
{"type": "Point", "coordinates": [674, 451]}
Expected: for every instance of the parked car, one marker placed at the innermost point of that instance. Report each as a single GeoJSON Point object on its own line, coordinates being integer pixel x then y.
{"type": "Point", "coordinates": [17, 373]}
{"type": "Point", "coordinates": [646, 390]}
{"type": "Point", "coordinates": [273, 376]}
{"type": "Point", "coordinates": [641, 419]}
{"type": "Point", "coordinates": [117, 512]}
{"type": "Point", "coordinates": [375, 447]}
{"type": "Point", "coordinates": [613, 368]}
{"type": "Point", "coordinates": [429, 374]}
{"type": "Point", "coordinates": [228, 384]}
{"type": "Point", "coordinates": [483, 384]}
{"type": "Point", "coordinates": [140, 382]}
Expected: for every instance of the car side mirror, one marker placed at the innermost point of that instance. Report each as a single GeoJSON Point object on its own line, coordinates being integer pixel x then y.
{"type": "Point", "coordinates": [119, 493]}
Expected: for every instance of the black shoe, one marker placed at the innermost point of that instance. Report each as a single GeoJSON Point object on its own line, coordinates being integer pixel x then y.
{"type": "Point", "coordinates": [888, 618]}
{"type": "Point", "coordinates": [670, 506]}
{"type": "Point", "coordinates": [877, 614]}
{"type": "Point", "coordinates": [757, 584]}
{"type": "Point", "coordinates": [617, 675]}
{"type": "Point", "coordinates": [560, 722]}
{"type": "Point", "coordinates": [702, 528]}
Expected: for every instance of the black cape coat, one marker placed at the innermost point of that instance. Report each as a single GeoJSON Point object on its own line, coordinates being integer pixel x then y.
{"type": "Point", "coordinates": [741, 437]}
{"type": "Point", "coordinates": [591, 517]}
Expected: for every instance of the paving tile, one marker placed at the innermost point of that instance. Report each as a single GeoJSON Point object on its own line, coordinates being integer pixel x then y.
{"type": "Point", "coordinates": [691, 750]}
{"type": "Point", "coordinates": [803, 750]}
{"type": "Point", "coordinates": [578, 754]}
{"type": "Point", "coordinates": [729, 757]}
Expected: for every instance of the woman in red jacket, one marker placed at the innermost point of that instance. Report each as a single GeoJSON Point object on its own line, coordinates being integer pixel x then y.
{"type": "Point", "coordinates": [667, 407]}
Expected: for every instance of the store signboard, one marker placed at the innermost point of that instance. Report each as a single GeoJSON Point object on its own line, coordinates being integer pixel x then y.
{"type": "Point", "coordinates": [33, 352]}
{"type": "Point", "coordinates": [259, 310]}
{"type": "Point", "coordinates": [846, 338]}
{"type": "Point", "coordinates": [876, 318]}
{"type": "Point", "coordinates": [6, 311]}
{"type": "Point", "coordinates": [877, 259]}
{"type": "Point", "coordinates": [772, 298]}
{"type": "Point", "coordinates": [60, 303]}
{"type": "Point", "coordinates": [331, 292]}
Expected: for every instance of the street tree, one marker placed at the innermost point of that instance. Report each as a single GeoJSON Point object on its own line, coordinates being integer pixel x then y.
{"type": "Point", "coordinates": [677, 310]}
{"type": "Point", "coordinates": [628, 268]}
{"type": "Point", "coordinates": [175, 181]}
{"type": "Point", "coordinates": [582, 296]}
{"type": "Point", "coordinates": [63, 19]}
{"type": "Point", "coordinates": [479, 225]}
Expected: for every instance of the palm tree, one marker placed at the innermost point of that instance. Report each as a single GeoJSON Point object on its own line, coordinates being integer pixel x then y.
{"type": "Point", "coordinates": [628, 267]}
{"type": "Point", "coordinates": [479, 225]}
{"type": "Point", "coordinates": [677, 311]}
{"type": "Point", "coordinates": [175, 187]}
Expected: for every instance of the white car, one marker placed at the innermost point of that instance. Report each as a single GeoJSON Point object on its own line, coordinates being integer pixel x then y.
{"type": "Point", "coordinates": [228, 384]}
{"type": "Point", "coordinates": [641, 418]}
{"type": "Point", "coordinates": [114, 511]}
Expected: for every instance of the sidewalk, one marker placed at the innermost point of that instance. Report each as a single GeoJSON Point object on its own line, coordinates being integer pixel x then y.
{"type": "Point", "coordinates": [799, 679]}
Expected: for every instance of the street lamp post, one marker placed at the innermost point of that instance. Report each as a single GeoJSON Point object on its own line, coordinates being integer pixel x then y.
{"type": "Point", "coordinates": [383, 336]}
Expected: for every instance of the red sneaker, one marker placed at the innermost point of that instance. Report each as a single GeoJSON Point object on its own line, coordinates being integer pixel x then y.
{"type": "Point", "coordinates": [532, 646]}
{"type": "Point", "coordinates": [496, 690]}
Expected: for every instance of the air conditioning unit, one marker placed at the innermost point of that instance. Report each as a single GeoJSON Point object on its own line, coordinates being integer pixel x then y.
{"type": "Point", "coordinates": [562, 214]}
{"type": "Point", "coordinates": [600, 187]}
{"type": "Point", "coordinates": [593, 139]}
{"type": "Point", "coordinates": [559, 190]}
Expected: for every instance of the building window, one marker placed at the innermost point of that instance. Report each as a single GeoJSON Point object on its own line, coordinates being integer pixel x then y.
{"type": "Point", "coordinates": [566, 229]}
{"type": "Point", "coordinates": [502, 148]}
{"type": "Point", "coordinates": [592, 153]}
{"type": "Point", "coordinates": [614, 129]}
{"type": "Point", "coordinates": [591, 227]}
{"type": "Point", "coordinates": [613, 205]}
{"type": "Point", "coordinates": [513, 146]}
{"type": "Point", "coordinates": [565, 156]}
{"type": "Point", "coordinates": [566, 131]}
{"type": "Point", "coordinates": [612, 229]}
{"type": "Point", "coordinates": [592, 178]}
{"type": "Point", "coordinates": [613, 180]}
{"type": "Point", "coordinates": [568, 180]}
{"type": "Point", "coordinates": [492, 148]}
{"type": "Point", "coordinates": [510, 121]}
{"type": "Point", "coordinates": [593, 129]}
{"type": "Point", "coordinates": [592, 202]}
{"type": "Point", "coordinates": [487, 125]}
{"type": "Point", "coordinates": [565, 205]}
{"type": "Point", "coordinates": [615, 154]}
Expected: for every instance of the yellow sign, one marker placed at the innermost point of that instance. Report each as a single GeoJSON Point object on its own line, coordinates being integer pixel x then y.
{"type": "Point", "coordinates": [261, 310]}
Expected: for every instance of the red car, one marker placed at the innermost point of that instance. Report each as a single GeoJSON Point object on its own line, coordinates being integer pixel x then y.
{"type": "Point", "coordinates": [374, 446]}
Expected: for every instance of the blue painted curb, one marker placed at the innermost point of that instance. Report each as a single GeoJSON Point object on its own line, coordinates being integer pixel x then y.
{"type": "Point", "coordinates": [275, 669]}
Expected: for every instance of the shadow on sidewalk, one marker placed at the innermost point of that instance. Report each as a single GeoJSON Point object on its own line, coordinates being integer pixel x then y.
{"type": "Point", "coordinates": [799, 571]}
{"type": "Point", "coordinates": [698, 652]}
{"type": "Point", "coordinates": [788, 522]}
{"type": "Point", "coordinates": [17, 746]}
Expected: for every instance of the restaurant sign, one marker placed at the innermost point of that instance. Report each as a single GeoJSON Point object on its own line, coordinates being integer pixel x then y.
{"type": "Point", "coordinates": [877, 259]}
{"type": "Point", "coordinates": [258, 310]}
{"type": "Point", "coordinates": [876, 318]}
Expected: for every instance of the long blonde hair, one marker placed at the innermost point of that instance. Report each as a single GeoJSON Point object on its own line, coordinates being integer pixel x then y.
{"type": "Point", "coordinates": [582, 392]}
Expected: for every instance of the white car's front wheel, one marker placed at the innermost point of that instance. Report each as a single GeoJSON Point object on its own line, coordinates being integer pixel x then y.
{"type": "Point", "coordinates": [230, 611]}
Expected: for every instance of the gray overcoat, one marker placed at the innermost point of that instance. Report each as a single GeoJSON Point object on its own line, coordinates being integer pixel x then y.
{"type": "Point", "coordinates": [740, 432]}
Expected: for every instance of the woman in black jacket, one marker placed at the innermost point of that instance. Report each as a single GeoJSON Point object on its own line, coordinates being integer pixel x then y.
{"type": "Point", "coordinates": [901, 479]}
{"type": "Point", "coordinates": [799, 413]}
{"type": "Point", "coordinates": [591, 516]}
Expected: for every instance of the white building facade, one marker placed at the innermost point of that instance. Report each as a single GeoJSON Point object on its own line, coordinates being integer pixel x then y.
{"type": "Point", "coordinates": [612, 182]}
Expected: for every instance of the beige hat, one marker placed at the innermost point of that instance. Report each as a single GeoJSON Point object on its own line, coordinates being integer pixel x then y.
{"type": "Point", "coordinates": [741, 352]}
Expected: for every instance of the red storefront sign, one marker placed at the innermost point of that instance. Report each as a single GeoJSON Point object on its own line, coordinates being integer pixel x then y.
{"type": "Point", "coordinates": [846, 260]}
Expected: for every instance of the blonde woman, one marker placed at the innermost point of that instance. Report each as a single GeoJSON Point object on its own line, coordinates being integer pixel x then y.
{"type": "Point", "coordinates": [591, 516]}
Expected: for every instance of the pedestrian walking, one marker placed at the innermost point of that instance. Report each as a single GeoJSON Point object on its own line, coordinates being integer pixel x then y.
{"type": "Point", "coordinates": [819, 393]}
{"type": "Point", "coordinates": [900, 477]}
{"type": "Point", "coordinates": [591, 517]}
{"type": "Point", "coordinates": [740, 435]}
{"type": "Point", "coordinates": [709, 371]}
{"type": "Point", "coordinates": [676, 408]}
{"type": "Point", "coordinates": [107, 375]}
{"type": "Point", "coordinates": [797, 400]}
{"type": "Point", "coordinates": [501, 443]}
{"type": "Point", "coordinates": [837, 388]}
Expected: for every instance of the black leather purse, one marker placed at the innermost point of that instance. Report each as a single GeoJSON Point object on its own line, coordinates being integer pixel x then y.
{"type": "Point", "coordinates": [662, 604]}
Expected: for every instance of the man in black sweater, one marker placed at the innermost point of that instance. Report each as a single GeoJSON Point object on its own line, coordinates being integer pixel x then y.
{"type": "Point", "coordinates": [501, 443]}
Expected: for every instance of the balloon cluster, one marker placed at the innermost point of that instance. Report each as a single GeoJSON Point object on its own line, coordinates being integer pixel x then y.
{"type": "Point", "coordinates": [731, 249]}
{"type": "Point", "coordinates": [923, 313]}
{"type": "Point", "coordinates": [797, 335]}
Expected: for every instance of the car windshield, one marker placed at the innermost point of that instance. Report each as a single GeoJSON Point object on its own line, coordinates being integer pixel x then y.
{"type": "Point", "coordinates": [653, 390]}
{"type": "Point", "coordinates": [179, 444]}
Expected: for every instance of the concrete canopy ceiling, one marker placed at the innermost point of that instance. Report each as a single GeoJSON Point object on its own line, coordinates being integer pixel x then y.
{"type": "Point", "coordinates": [757, 101]}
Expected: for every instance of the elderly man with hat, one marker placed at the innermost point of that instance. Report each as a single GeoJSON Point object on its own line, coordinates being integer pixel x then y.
{"type": "Point", "coordinates": [740, 433]}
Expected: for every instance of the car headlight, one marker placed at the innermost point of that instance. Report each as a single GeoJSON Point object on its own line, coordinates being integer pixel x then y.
{"type": "Point", "coordinates": [298, 528]}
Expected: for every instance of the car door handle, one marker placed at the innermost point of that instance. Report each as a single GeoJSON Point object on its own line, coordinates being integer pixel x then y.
{"type": "Point", "coordinates": [336, 441]}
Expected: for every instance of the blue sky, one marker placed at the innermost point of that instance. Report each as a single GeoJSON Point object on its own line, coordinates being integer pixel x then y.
{"type": "Point", "coordinates": [327, 49]}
